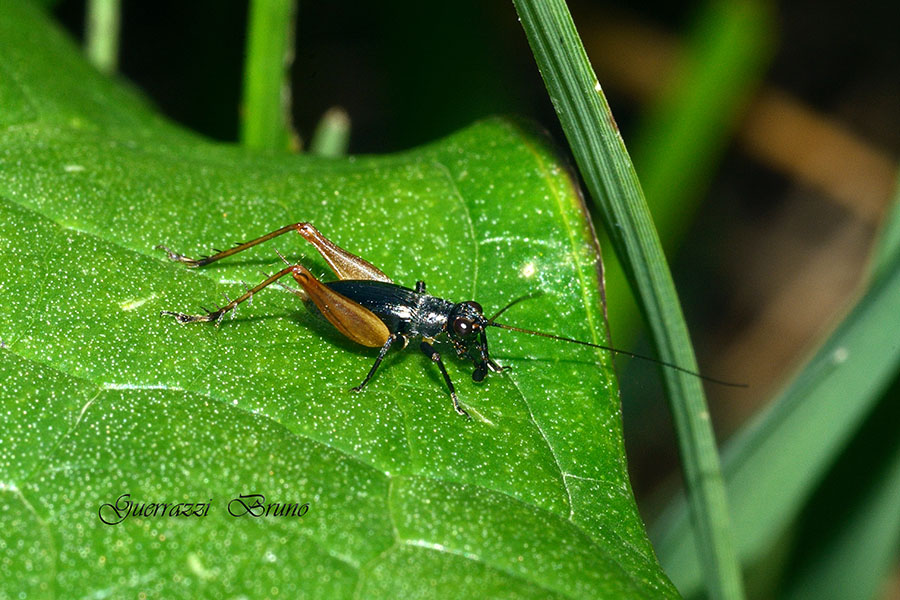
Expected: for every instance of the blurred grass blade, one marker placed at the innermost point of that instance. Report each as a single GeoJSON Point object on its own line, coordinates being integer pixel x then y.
{"type": "Point", "coordinates": [332, 134]}
{"type": "Point", "coordinates": [102, 20]}
{"type": "Point", "coordinates": [265, 121]}
{"type": "Point", "coordinates": [604, 163]}
{"type": "Point", "coordinates": [687, 129]}
{"type": "Point", "coordinates": [852, 554]}
{"type": "Point", "coordinates": [774, 466]}
{"type": "Point", "coordinates": [889, 238]}
{"type": "Point", "coordinates": [850, 531]}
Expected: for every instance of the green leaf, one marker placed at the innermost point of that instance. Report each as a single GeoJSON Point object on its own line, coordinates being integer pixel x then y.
{"type": "Point", "coordinates": [103, 397]}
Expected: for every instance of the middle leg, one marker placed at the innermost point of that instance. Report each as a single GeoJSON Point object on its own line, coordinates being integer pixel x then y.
{"type": "Point", "coordinates": [381, 354]}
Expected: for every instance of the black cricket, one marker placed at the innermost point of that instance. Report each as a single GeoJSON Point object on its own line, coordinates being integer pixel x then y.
{"type": "Point", "coordinates": [370, 309]}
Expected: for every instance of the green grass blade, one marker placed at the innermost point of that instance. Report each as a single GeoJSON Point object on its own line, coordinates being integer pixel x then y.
{"type": "Point", "coordinates": [773, 467]}
{"type": "Point", "coordinates": [686, 130]}
{"type": "Point", "coordinates": [851, 531]}
{"type": "Point", "coordinates": [265, 122]}
{"type": "Point", "coordinates": [332, 134]}
{"type": "Point", "coordinates": [102, 34]}
{"type": "Point", "coordinates": [611, 179]}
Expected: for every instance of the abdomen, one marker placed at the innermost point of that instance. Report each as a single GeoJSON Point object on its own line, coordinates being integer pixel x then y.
{"type": "Point", "coordinates": [395, 305]}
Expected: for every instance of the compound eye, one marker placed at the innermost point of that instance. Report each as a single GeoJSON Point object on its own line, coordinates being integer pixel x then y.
{"type": "Point", "coordinates": [475, 306]}
{"type": "Point", "coordinates": [462, 326]}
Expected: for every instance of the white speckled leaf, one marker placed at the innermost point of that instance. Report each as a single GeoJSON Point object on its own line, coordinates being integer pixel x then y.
{"type": "Point", "coordinates": [102, 397]}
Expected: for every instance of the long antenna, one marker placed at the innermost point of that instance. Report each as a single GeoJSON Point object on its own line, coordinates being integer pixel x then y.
{"type": "Point", "coordinates": [614, 350]}
{"type": "Point", "coordinates": [516, 301]}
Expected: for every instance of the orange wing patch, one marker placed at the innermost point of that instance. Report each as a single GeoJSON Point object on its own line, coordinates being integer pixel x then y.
{"type": "Point", "coordinates": [353, 320]}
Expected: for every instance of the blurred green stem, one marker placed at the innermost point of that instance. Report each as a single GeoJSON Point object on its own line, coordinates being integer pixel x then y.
{"type": "Point", "coordinates": [611, 179]}
{"type": "Point", "coordinates": [265, 122]}
{"type": "Point", "coordinates": [332, 134]}
{"type": "Point", "coordinates": [102, 19]}
{"type": "Point", "coordinates": [889, 237]}
{"type": "Point", "coordinates": [687, 128]}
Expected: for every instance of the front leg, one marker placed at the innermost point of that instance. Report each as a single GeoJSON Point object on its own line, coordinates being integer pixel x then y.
{"type": "Point", "coordinates": [431, 353]}
{"type": "Point", "coordinates": [485, 362]}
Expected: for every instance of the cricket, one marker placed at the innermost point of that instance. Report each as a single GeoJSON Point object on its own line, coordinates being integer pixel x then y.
{"type": "Point", "coordinates": [367, 307]}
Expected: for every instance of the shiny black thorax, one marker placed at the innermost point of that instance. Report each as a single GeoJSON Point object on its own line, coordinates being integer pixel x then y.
{"type": "Point", "coordinates": [414, 313]}
{"type": "Point", "coordinates": [404, 311]}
